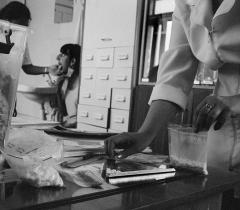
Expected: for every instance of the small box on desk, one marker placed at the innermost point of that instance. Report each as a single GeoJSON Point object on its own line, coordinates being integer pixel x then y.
{"type": "Point", "coordinates": [137, 168]}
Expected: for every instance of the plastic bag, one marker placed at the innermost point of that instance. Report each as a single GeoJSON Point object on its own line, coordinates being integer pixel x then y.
{"type": "Point", "coordinates": [34, 143]}
{"type": "Point", "coordinates": [37, 173]}
{"type": "Point", "coordinates": [188, 149]}
{"type": "Point", "coordinates": [34, 156]}
{"type": "Point", "coordinates": [12, 46]}
{"type": "Point", "coordinates": [84, 176]}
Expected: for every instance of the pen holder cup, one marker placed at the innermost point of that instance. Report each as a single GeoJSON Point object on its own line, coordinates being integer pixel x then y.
{"type": "Point", "coordinates": [187, 150]}
{"type": "Point", "coordinates": [12, 46]}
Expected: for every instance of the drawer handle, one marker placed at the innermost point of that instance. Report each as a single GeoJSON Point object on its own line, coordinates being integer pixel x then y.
{"type": "Point", "coordinates": [88, 77]}
{"type": "Point", "coordinates": [121, 78]}
{"type": "Point", "coordinates": [104, 77]}
{"type": "Point", "coordinates": [119, 120]}
{"type": "Point", "coordinates": [123, 57]}
{"type": "Point", "coordinates": [102, 97]}
{"type": "Point", "coordinates": [106, 39]}
{"type": "Point", "coordinates": [120, 98]}
{"type": "Point", "coordinates": [98, 116]}
{"type": "Point", "coordinates": [105, 58]}
{"type": "Point", "coordinates": [89, 58]}
{"type": "Point", "coordinates": [83, 114]}
{"type": "Point", "coordinates": [87, 95]}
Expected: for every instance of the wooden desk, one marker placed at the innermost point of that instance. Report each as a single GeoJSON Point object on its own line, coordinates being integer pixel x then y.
{"type": "Point", "coordinates": [198, 192]}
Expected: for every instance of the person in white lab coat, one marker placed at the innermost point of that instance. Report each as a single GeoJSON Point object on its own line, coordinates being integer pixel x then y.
{"type": "Point", "coordinates": [18, 13]}
{"type": "Point", "coordinates": [203, 32]}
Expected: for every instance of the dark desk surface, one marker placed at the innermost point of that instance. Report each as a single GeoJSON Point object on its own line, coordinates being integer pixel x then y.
{"type": "Point", "coordinates": [155, 195]}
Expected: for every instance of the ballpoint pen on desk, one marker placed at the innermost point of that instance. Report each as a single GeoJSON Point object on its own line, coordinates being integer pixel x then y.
{"type": "Point", "coordinates": [85, 159]}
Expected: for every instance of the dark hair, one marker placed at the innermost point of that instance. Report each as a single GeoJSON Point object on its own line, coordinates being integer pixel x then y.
{"type": "Point", "coordinates": [73, 51]}
{"type": "Point", "coordinates": [15, 11]}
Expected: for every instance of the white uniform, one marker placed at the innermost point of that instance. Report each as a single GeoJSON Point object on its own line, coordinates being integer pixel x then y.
{"type": "Point", "coordinates": [199, 36]}
{"type": "Point", "coordinates": [26, 57]}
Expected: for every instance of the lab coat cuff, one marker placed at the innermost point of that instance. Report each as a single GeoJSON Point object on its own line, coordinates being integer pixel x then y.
{"type": "Point", "coordinates": [169, 93]}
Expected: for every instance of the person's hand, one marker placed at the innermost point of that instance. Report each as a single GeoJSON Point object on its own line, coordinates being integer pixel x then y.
{"type": "Point", "coordinates": [70, 122]}
{"type": "Point", "coordinates": [130, 143]}
{"type": "Point", "coordinates": [210, 110]}
{"type": "Point", "coordinates": [55, 70]}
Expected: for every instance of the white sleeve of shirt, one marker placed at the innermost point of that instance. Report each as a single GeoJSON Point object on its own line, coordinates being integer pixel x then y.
{"type": "Point", "coordinates": [26, 57]}
{"type": "Point", "coordinates": [177, 69]}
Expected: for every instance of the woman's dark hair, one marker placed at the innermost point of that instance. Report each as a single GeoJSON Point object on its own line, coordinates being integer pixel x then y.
{"type": "Point", "coordinates": [73, 51]}
{"type": "Point", "coordinates": [15, 11]}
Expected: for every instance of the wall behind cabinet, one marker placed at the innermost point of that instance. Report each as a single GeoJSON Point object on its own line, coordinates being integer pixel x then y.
{"type": "Point", "coordinates": [4, 2]}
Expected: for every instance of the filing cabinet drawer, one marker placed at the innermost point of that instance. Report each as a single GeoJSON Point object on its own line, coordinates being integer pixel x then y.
{"type": "Point", "coordinates": [93, 115]}
{"type": "Point", "coordinates": [86, 95]}
{"type": "Point", "coordinates": [123, 57]}
{"type": "Point", "coordinates": [103, 78]}
{"type": "Point", "coordinates": [83, 114]}
{"type": "Point", "coordinates": [104, 58]}
{"type": "Point", "coordinates": [121, 98]}
{"type": "Point", "coordinates": [119, 120]}
{"type": "Point", "coordinates": [100, 117]}
{"type": "Point", "coordinates": [122, 78]}
{"type": "Point", "coordinates": [102, 97]}
{"type": "Point", "coordinates": [88, 58]}
{"type": "Point", "coordinates": [88, 78]}
{"type": "Point", "coordinates": [90, 128]}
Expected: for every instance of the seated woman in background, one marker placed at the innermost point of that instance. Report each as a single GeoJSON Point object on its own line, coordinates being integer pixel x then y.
{"type": "Point", "coordinates": [67, 80]}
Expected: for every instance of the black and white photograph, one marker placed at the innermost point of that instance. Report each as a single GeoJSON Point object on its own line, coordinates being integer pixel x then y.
{"type": "Point", "coordinates": [119, 104]}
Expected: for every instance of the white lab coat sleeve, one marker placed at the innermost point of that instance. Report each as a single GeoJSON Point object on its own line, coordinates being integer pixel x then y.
{"type": "Point", "coordinates": [26, 57]}
{"type": "Point", "coordinates": [177, 68]}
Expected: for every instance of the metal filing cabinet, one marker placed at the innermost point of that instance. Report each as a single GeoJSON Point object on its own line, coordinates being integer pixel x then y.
{"type": "Point", "coordinates": [107, 65]}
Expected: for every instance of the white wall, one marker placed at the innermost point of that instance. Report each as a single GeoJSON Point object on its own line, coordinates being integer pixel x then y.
{"type": "Point", "coordinates": [44, 44]}
{"type": "Point", "coordinates": [51, 36]}
{"type": "Point", "coordinates": [4, 2]}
